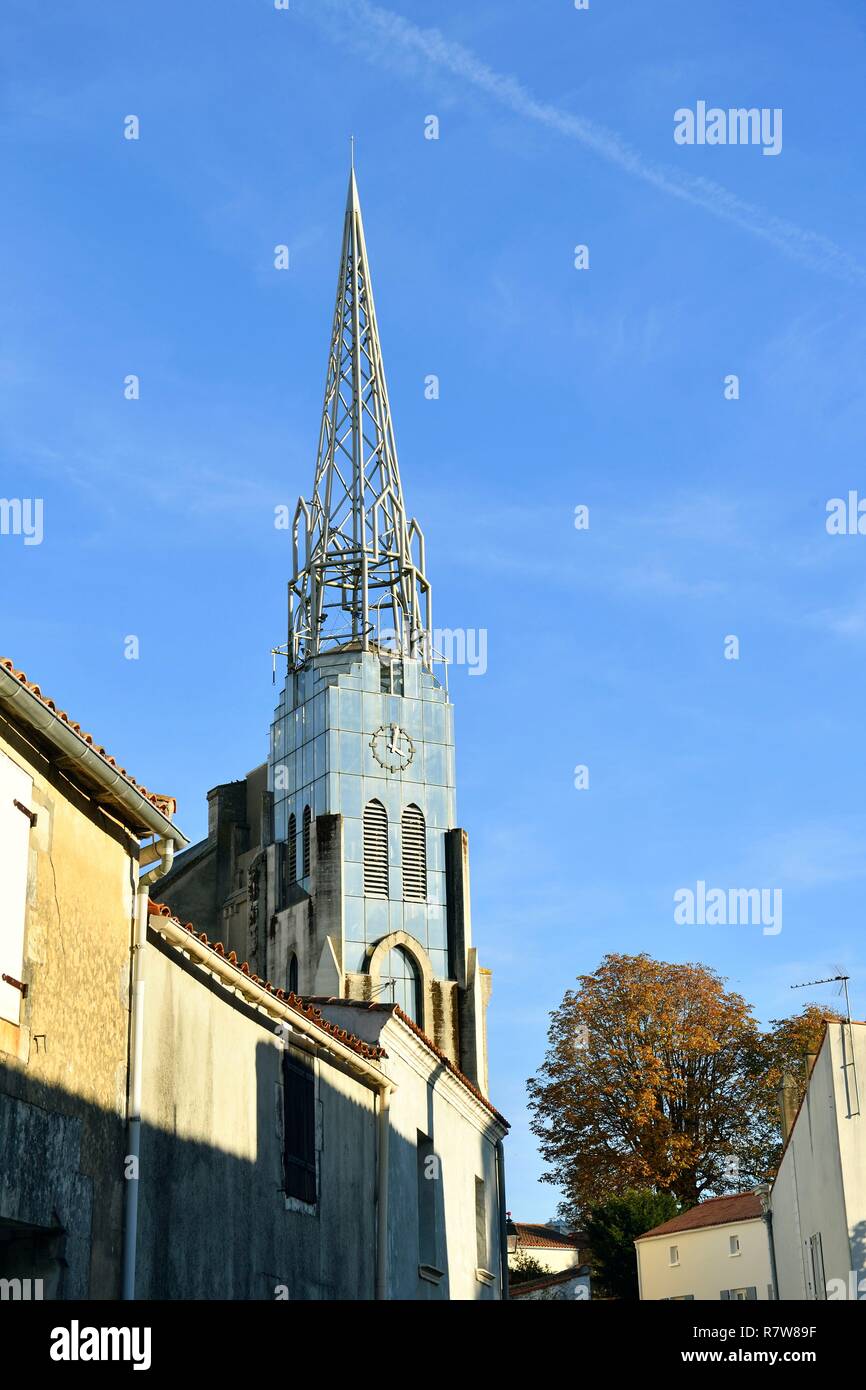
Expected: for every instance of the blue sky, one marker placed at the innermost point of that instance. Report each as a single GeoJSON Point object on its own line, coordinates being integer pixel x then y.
{"type": "Point", "coordinates": [558, 387]}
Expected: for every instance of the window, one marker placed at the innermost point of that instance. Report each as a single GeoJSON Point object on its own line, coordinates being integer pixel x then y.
{"type": "Point", "coordinates": [16, 818]}
{"type": "Point", "coordinates": [293, 974]}
{"type": "Point", "coordinates": [427, 1178]}
{"type": "Point", "coordinates": [299, 1102]}
{"type": "Point", "coordinates": [734, 1242]}
{"type": "Point", "coordinates": [740, 1295]}
{"type": "Point", "coordinates": [391, 678]}
{"type": "Point", "coordinates": [414, 840]}
{"type": "Point", "coordinates": [306, 840]}
{"type": "Point", "coordinates": [480, 1224]}
{"type": "Point", "coordinates": [400, 972]}
{"type": "Point", "coordinates": [674, 1255]}
{"type": "Point", "coordinates": [292, 849]}
{"type": "Point", "coordinates": [375, 850]}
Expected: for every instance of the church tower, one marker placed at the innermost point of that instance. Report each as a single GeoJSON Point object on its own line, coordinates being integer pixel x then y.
{"type": "Point", "coordinates": [370, 899]}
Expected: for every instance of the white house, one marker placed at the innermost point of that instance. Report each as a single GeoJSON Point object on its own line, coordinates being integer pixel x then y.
{"type": "Point", "coordinates": [551, 1247]}
{"type": "Point", "coordinates": [718, 1250]}
{"type": "Point", "coordinates": [818, 1199]}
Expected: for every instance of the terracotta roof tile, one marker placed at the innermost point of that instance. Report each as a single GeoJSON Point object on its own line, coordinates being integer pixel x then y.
{"type": "Point", "coordinates": [546, 1281]}
{"type": "Point", "coordinates": [166, 804]}
{"type": "Point", "coordinates": [538, 1237]}
{"type": "Point", "coordinates": [716, 1211]}
{"type": "Point", "coordinates": [428, 1042]}
{"type": "Point", "coordinates": [291, 1001]}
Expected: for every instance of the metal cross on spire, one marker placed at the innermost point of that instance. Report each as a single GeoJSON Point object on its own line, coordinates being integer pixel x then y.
{"type": "Point", "coordinates": [358, 579]}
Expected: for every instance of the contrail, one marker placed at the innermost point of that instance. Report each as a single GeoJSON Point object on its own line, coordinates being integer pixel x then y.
{"type": "Point", "coordinates": [388, 38]}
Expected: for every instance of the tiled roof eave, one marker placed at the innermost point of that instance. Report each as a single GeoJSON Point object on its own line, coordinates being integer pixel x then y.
{"type": "Point", "coordinates": [292, 1002]}
{"type": "Point", "coordinates": [144, 811]}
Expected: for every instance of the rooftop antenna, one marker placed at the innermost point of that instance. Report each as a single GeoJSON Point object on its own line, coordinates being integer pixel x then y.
{"type": "Point", "coordinates": [842, 979]}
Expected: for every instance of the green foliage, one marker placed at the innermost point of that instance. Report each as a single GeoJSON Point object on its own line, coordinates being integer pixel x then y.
{"type": "Point", "coordinates": [524, 1268]}
{"type": "Point", "coordinates": [612, 1229]}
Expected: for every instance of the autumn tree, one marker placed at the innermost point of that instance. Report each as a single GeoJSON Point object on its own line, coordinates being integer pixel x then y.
{"type": "Point", "coordinates": [788, 1043]}
{"type": "Point", "coordinates": [654, 1077]}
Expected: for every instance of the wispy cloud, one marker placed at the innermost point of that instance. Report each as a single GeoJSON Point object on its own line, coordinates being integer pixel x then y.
{"type": "Point", "coordinates": [387, 38]}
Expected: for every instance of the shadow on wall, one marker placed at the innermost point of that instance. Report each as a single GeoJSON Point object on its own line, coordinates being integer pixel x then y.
{"type": "Point", "coordinates": [212, 1225]}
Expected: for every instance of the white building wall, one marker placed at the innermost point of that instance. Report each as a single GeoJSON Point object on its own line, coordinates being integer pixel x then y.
{"type": "Point", "coordinates": [819, 1195]}
{"type": "Point", "coordinates": [427, 1099]}
{"type": "Point", "coordinates": [554, 1261]}
{"type": "Point", "coordinates": [706, 1266]}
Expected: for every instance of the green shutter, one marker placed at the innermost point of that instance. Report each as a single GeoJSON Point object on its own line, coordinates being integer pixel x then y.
{"type": "Point", "coordinates": [299, 1092]}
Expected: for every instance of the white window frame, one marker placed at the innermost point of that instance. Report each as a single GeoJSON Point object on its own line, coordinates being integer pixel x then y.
{"type": "Point", "coordinates": [673, 1256]}
{"type": "Point", "coordinates": [16, 795]}
{"type": "Point", "coordinates": [734, 1246]}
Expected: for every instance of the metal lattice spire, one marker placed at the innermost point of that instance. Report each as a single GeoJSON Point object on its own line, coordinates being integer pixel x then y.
{"type": "Point", "coordinates": [358, 579]}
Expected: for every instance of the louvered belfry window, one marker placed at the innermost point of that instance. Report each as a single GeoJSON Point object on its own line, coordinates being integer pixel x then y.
{"type": "Point", "coordinates": [414, 854]}
{"type": "Point", "coordinates": [306, 839]}
{"type": "Point", "coordinates": [292, 849]}
{"type": "Point", "coordinates": [375, 850]}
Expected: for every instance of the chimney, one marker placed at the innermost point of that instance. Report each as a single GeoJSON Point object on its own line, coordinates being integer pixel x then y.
{"type": "Point", "coordinates": [787, 1095]}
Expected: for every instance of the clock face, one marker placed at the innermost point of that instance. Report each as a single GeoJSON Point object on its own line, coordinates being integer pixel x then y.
{"type": "Point", "coordinates": [392, 747]}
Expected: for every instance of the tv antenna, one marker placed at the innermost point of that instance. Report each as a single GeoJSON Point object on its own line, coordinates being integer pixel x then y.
{"type": "Point", "coordinates": [842, 980]}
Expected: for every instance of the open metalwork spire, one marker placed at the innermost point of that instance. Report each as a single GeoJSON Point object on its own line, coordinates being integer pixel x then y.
{"type": "Point", "coordinates": [358, 579]}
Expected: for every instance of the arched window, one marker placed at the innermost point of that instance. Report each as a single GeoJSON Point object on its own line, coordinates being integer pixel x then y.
{"type": "Point", "coordinates": [414, 854]}
{"type": "Point", "coordinates": [401, 982]}
{"type": "Point", "coordinates": [306, 840]}
{"type": "Point", "coordinates": [292, 850]}
{"type": "Point", "coordinates": [293, 974]}
{"type": "Point", "coordinates": [375, 850]}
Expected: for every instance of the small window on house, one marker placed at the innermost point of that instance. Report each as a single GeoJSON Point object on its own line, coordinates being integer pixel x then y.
{"type": "Point", "coordinates": [427, 1179]}
{"type": "Point", "coordinates": [306, 840]}
{"type": "Point", "coordinates": [16, 819]}
{"type": "Point", "coordinates": [734, 1245]}
{"type": "Point", "coordinates": [414, 843]}
{"type": "Point", "coordinates": [293, 974]}
{"type": "Point", "coordinates": [375, 850]}
{"type": "Point", "coordinates": [292, 850]}
{"type": "Point", "coordinates": [480, 1223]}
{"type": "Point", "coordinates": [299, 1102]}
{"type": "Point", "coordinates": [674, 1255]}
{"type": "Point", "coordinates": [740, 1295]}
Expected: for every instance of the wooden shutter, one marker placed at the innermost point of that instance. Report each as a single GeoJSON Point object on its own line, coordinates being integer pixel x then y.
{"type": "Point", "coordinates": [299, 1090]}
{"type": "Point", "coordinates": [306, 839]}
{"type": "Point", "coordinates": [16, 791]}
{"type": "Point", "coordinates": [375, 850]}
{"type": "Point", "coordinates": [414, 854]}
